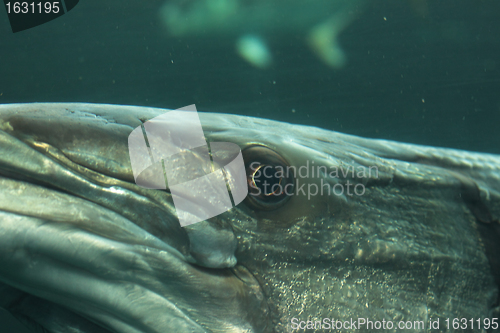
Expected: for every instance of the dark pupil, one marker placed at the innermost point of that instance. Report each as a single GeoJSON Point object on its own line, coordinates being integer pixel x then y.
{"type": "Point", "coordinates": [268, 180]}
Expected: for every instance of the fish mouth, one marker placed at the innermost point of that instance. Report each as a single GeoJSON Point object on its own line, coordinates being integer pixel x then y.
{"type": "Point", "coordinates": [75, 256]}
{"type": "Point", "coordinates": [83, 258]}
{"type": "Point", "coordinates": [101, 253]}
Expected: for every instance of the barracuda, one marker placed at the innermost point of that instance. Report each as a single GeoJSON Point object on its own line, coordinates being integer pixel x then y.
{"type": "Point", "coordinates": [84, 249]}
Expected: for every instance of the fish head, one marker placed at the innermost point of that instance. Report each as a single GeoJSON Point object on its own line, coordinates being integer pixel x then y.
{"type": "Point", "coordinates": [354, 228]}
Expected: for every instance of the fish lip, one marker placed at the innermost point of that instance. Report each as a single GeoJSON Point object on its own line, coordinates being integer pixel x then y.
{"type": "Point", "coordinates": [75, 270]}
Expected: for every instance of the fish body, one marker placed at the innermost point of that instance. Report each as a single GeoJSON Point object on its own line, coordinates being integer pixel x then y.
{"type": "Point", "coordinates": [411, 239]}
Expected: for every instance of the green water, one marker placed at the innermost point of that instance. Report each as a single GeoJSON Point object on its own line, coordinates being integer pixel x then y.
{"type": "Point", "coordinates": [417, 71]}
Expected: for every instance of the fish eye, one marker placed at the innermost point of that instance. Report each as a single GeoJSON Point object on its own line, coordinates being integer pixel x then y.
{"type": "Point", "coordinates": [270, 178]}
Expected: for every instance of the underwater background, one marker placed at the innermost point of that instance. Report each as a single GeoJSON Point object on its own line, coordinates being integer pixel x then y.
{"type": "Point", "coordinates": [417, 71]}
{"type": "Point", "coordinates": [425, 72]}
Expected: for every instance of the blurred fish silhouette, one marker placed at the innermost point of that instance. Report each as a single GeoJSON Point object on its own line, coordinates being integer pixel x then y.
{"type": "Point", "coordinates": [252, 24]}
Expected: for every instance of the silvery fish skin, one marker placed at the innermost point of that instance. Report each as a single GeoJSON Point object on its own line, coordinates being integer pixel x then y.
{"type": "Point", "coordinates": [84, 249]}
